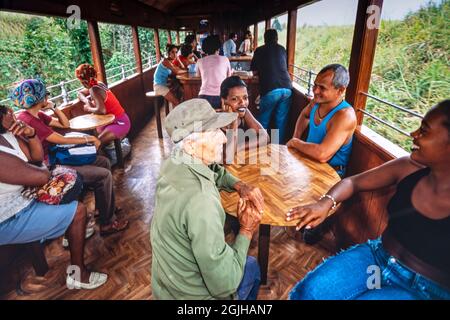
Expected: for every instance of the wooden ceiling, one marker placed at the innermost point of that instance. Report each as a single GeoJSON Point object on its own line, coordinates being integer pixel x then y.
{"type": "Point", "coordinates": [166, 14]}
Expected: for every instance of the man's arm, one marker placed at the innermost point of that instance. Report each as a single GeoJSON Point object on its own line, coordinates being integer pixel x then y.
{"type": "Point", "coordinates": [221, 265]}
{"type": "Point", "coordinates": [303, 120]}
{"type": "Point", "coordinates": [341, 126]}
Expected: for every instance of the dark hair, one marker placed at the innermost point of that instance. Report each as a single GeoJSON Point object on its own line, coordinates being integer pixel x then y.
{"type": "Point", "coordinates": [341, 76]}
{"type": "Point", "coordinates": [211, 44]}
{"type": "Point", "coordinates": [3, 111]}
{"type": "Point", "coordinates": [228, 83]}
{"type": "Point", "coordinates": [232, 35]}
{"type": "Point", "coordinates": [169, 48]}
{"type": "Point", "coordinates": [186, 49]}
{"type": "Point", "coordinates": [248, 32]}
{"type": "Point", "coordinates": [443, 107]}
{"type": "Point", "coordinates": [189, 39]}
{"type": "Point", "coordinates": [271, 36]}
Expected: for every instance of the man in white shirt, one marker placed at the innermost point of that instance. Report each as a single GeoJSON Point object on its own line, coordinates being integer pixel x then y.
{"type": "Point", "coordinates": [229, 46]}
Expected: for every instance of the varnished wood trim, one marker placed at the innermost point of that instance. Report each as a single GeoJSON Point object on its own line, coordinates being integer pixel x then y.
{"type": "Point", "coordinates": [157, 48]}
{"type": "Point", "coordinates": [96, 50]}
{"type": "Point", "coordinates": [291, 38]}
{"type": "Point", "coordinates": [137, 49]}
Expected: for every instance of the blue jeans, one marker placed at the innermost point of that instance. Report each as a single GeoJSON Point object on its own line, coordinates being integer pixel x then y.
{"type": "Point", "coordinates": [249, 286]}
{"type": "Point", "coordinates": [276, 104]}
{"type": "Point", "coordinates": [350, 276]}
{"type": "Point", "coordinates": [214, 101]}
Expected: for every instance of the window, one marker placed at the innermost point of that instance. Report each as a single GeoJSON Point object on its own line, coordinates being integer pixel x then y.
{"type": "Point", "coordinates": [279, 23]}
{"type": "Point", "coordinates": [173, 35]}
{"type": "Point", "coordinates": [118, 52]}
{"type": "Point", "coordinates": [147, 44]}
{"type": "Point", "coordinates": [324, 35]}
{"type": "Point", "coordinates": [411, 67]}
{"type": "Point", "coordinates": [32, 46]}
{"type": "Point", "coordinates": [261, 29]}
{"type": "Point", "coordinates": [163, 41]}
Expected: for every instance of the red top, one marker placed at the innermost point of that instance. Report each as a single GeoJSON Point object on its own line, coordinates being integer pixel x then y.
{"type": "Point", "coordinates": [41, 125]}
{"type": "Point", "coordinates": [184, 62]}
{"type": "Point", "coordinates": [112, 105]}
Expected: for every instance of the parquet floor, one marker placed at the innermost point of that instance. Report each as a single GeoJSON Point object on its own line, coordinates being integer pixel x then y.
{"type": "Point", "coordinates": [126, 257]}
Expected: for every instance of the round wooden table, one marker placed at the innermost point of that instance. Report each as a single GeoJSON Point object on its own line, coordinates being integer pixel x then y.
{"type": "Point", "coordinates": [91, 121]}
{"type": "Point", "coordinates": [287, 179]}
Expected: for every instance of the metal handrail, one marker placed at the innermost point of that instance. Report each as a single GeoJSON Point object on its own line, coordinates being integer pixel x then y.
{"type": "Point", "coordinates": [309, 81]}
{"type": "Point", "coordinates": [392, 104]}
{"type": "Point", "coordinates": [384, 122]}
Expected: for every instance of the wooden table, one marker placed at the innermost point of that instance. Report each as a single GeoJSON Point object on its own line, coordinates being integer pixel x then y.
{"type": "Point", "coordinates": [240, 58]}
{"type": "Point", "coordinates": [287, 179]}
{"type": "Point", "coordinates": [91, 121]}
{"type": "Point", "coordinates": [191, 86]}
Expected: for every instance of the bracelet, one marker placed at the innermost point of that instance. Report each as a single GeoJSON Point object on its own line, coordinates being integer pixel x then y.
{"type": "Point", "coordinates": [331, 198]}
{"type": "Point", "coordinates": [86, 139]}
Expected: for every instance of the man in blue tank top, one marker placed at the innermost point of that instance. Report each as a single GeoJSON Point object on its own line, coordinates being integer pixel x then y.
{"type": "Point", "coordinates": [331, 121]}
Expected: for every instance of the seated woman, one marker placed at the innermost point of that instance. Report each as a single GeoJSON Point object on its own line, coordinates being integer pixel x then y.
{"type": "Point", "coordinates": [213, 69]}
{"type": "Point", "coordinates": [102, 101]}
{"type": "Point", "coordinates": [23, 220]}
{"type": "Point", "coordinates": [30, 95]}
{"type": "Point", "coordinates": [410, 260]}
{"type": "Point", "coordinates": [161, 77]}
{"type": "Point", "coordinates": [185, 58]}
{"type": "Point", "coordinates": [234, 96]}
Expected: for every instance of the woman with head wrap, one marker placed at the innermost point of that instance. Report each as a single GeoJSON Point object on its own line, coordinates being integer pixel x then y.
{"type": "Point", "coordinates": [102, 101]}
{"type": "Point", "coordinates": [31, 95]}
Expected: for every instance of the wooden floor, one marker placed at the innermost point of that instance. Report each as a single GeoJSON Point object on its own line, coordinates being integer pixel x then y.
{"type": "Point", "coordinates": [126, 257]}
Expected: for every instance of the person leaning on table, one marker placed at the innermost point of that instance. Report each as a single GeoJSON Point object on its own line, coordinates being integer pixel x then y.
{"type": "Point", "coordinates": [190, 258]}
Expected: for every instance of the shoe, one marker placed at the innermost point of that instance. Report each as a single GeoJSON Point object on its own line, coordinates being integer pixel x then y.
{"type": "Point", "coordinates": [312, 236]}
{"type": "Point", "coordinates": [96, 279]}
{"type": "Point", "coordinates": [89, 232]}
{"type": "Point", "coordinates": [116, 226]}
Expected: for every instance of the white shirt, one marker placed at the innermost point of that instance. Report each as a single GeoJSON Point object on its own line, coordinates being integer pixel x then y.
{"type": "Point", "coordinates": [11, 199]}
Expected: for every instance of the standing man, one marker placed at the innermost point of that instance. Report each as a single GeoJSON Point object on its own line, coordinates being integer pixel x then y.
{"type": "Point", "coordinates": [229, 46]}
{"type": "Point", "coordinates": [270, 64]}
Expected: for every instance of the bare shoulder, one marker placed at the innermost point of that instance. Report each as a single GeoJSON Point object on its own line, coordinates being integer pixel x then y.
{"type": "Point", "coordinates": [344, 118]}
{"type": "Point", "coordinates": [406, 166]}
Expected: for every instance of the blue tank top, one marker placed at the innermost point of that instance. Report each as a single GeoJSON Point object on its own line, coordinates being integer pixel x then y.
{"type": "Point", "coordinates": [317, 133]}
{"type": "Point", "coordinates": [161, 75]}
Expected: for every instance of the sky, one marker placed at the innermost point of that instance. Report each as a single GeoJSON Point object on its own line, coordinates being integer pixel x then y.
{"type": "Point", "coordinates": [343, 12]}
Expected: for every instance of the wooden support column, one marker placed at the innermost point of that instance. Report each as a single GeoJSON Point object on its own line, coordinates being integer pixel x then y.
{"type": "Point", "coordinates": [178, 37]}
{"type": "Point", "coordinates": [255, 36]}
{"type": "Point", "coordinates": [169, 37]}
{"type": "Point", "coordinates": [362, 55]}
{"type": "Point", "coordinates": [291, 38]}
{"type": "Point", "coordinates": [137, 49]}
{"type": "Point", "coordinates": [268, 24]}
{"type": "Point", "coordinates": [157, 48]}
{"type": "Point", "coordinates": [96, 51]}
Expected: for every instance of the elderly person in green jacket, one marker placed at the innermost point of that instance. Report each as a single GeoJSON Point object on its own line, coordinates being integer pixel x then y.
{"type": "Point", "coordinates": [190, 258]}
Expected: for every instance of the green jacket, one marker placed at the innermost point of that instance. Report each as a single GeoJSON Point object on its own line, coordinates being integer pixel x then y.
{"type": "Point", "coordinates": [190, 258]}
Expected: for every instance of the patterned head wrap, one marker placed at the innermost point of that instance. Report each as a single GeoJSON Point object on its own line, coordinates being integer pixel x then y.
{"type": "Point", "coordinates": [87, 75]}
{"type": "Point", "coordinates": [28, 93]}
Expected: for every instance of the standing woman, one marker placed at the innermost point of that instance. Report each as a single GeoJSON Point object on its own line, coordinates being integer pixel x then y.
{"type": "Point", "coordinates": [213, 69]}
{"type": "Point", "coordinates": [102, 101]}
{"type": "Point", "coordinates": [412, 255]}
{"type": "Point", "coordinates": [246, 45]}
{"type": "Point", "coordinates": [161, 77]}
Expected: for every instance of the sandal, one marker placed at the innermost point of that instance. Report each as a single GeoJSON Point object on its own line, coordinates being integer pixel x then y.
{"type": "Point", "coordinates": [96, 279]}
{"type": "Point", "coordinates": [116, 226]}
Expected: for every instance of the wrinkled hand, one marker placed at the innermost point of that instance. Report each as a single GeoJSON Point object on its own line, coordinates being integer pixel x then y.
{"type": "Point", "coordinates": [292, 143]}
{"type": "Point", "coordinates": [252, 194]}
{"type": "Point", "coordinates": [20, 128]}
{"type": "Point", "coordinates": [310, 216]}
{"type": "Point", "coordinates": [249, 217]}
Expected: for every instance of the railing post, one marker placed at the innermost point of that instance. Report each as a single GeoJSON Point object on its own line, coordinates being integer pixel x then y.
{"type": "Point", "coordinates": [158, 49]}
{"type": "Point", "coordinates": [291, 35]}
{"type": "Point", "coordinates": [96, 51]}
{"type": "Point", "coordinates": [362, 56]}
{"type": "Point", "coordinates": [122, 70]}
{"type": "Point", "coordinates": [310, 73]}
{"type": "Point", "coordinates": [63, 92]}
{"type": "Point", "coordinates": [268, 24]}
{"type": "Point", "coordinates": [137, 49]}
